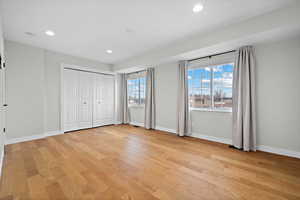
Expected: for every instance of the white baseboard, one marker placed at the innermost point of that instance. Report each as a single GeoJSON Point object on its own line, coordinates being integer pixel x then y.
{"type": "Point", "coordinates": [1, 161]}
{"type": "Point", "coordinates": [53, 133]}
{"type": "Point", "coordinates": [197, 135]}
{"type": "Point", "coordinates": [24, 139]}
{"type": "Point", "coordinates": [264, 148]}
{"type": "Point", "coordinates": [33, 137]}
{"type": "Point", "coordinates": [165, 129]}
{"type": "Point", "coordinates": [279, 151]}
{"type": "Point", "coordinates": [212, 138]}
{"type": "Point", "coordinates": [274, 150]}
{"type": "Point", "coordinates": [137, 124]}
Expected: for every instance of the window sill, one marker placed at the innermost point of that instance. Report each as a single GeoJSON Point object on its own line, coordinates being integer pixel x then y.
{"type": "Point", "coordinates": [210, 110]}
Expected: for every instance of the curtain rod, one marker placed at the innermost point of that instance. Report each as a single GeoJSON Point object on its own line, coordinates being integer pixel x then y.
{"type": "Point", "coordinates": [217, 54]}
{"type": "Point", "coordinates": [136, 72]}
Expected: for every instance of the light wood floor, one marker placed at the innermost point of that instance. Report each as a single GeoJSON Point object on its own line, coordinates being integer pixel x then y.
{"type": "Point", "coordinates": [125, 162]}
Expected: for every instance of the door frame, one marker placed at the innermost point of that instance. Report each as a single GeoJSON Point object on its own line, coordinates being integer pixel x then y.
{"type": "Point", "coordinates": [78, 68]}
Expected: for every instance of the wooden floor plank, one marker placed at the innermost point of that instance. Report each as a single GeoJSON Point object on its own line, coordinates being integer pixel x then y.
{"type": "Point", "coordinates": [126, 162]}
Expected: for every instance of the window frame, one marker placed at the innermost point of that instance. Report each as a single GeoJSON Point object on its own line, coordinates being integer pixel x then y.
{"type": "Point", "coordinates": [140, 103]}
{"type": "Point", "coordinates": [212, 100]}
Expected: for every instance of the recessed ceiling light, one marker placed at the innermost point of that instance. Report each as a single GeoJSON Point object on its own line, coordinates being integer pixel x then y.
{"type": "Point", "coordinates": [109, 51]}
{"type": "Point", "coordinates": [198, 8]}
{"type": "Point", "coordinates": [49, 33]}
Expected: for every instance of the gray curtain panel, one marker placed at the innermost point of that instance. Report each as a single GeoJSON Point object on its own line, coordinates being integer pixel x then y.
{"type": "Point", "coordinates": [122, 114]}
{"type": "Point", "coordinates": [183, 100]}
{"type": "Point", "coordinates": [149, 121]}
{"type": "Point", "coordinates": [244, 114]}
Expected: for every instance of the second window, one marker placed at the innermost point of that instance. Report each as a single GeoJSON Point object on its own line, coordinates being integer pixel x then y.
{"type": "Point", "coordinates": [136, 91]}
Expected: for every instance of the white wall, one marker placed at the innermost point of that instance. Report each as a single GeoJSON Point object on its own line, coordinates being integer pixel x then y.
{"type": "Point", "coordinates": [278, 94]}
{"type": "Point", "coordinates": [137, 114]}
{"type": "Point", "coordinates": [166, 82]}
{"type": "Point", "coordinates": [2, 97]}
{"type": "Point", "coordinates": [25, 90]}
{"type": "Point", "coordinates": [33, 88]}
{"type": "Point", "coordinates": [214, 124]}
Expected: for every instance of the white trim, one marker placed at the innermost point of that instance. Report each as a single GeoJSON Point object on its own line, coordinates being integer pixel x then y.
{"type": "Point", "coordinates": [33, 137]}
{"type": "Point", "coordinates": [263, 148]}
{"type": "Point", "coordinates": [62, 117]}
{"type": "Point", "coordinates": [165, 129]}
{"type": "Point", "coordinates": [137, 124]}
{"type": "Point", "coordinates": [53, 133]}
{"type": "Point", "coordinates": [274, 150]}
{"type": "Point", "coordinates": [279, 151]}
{"type": "Point", "coordinates": [211, 138]}
{"type": "Point", "coordinates": [197, 135]}
{"type": "Point", "coordinates": [1, 161]}
{"type": "Point", "coordinates": [24, 139]}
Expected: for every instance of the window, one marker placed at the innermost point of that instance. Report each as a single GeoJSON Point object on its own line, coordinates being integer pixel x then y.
{"type": "Point", "coordinates": [210, 88]}
{"type": "Point", "coordinates": [136, 91]}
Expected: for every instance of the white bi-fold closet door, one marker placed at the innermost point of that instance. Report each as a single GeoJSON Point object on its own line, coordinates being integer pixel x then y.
{"type": "Point", "coordinates": [103, 110]}
{"type": "Point", "coordinates": [88, 99]}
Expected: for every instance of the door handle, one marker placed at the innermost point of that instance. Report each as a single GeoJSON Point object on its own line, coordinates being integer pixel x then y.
{"type": "Point", "coordinates": [5, 105]}
{"type": "Point", "coordinates": [84, 102]}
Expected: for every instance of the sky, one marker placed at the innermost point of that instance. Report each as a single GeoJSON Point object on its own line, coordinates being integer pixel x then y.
{"type": "Point", "coordinates": [199, 79]}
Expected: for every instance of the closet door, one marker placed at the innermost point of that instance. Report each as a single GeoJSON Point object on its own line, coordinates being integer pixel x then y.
{"type": "Point", "coordinates": [85, 100]}
{"type": "Point", "coordinates": [103, 113]}
{"type": "Point", "coordinates": [108, 99]}
{"type": "Point", "coordinates": [98, 90]}
{"type": "Point", "coordinates": [71, 84]}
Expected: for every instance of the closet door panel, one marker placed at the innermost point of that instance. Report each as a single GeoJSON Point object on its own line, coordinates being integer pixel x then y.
{"type": "Point", "coordinates": [85, 100]}
{"type": "Point", "coordinates": [103, 100]}
{"type": "Point", "coordinates": [108, 100]}
{"type": "Point", "coordinates": [88, 100]}
{"type": "Point", "coordinates": [98, 108]}
{"type": "Point", "coordinates": [71, 83]}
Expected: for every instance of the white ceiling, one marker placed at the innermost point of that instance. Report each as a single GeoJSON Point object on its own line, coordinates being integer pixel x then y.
{"type": "Point", "coordinates": [87, 28]}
